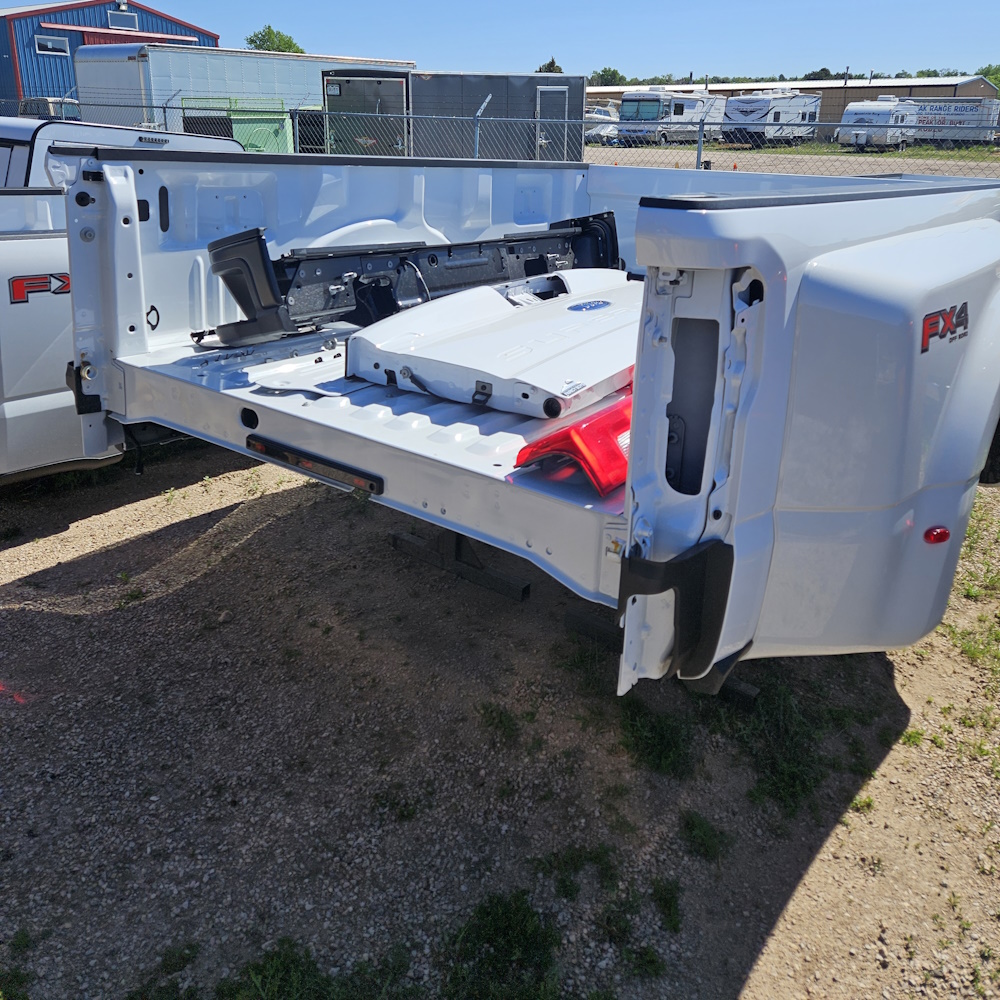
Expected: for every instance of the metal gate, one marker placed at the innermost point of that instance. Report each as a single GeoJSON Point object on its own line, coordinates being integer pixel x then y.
{"type": "Point", "coordinates": [551, 125]}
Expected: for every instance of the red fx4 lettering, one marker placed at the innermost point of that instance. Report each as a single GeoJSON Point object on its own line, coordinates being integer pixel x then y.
{"type": "Point", "coordinates": [25, 285]}
{"type": "Point", "coordinates": [944, 323]}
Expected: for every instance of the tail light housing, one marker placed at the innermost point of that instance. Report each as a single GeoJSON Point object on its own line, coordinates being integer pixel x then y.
{"type": "Point", "coordinates": [598, 443]}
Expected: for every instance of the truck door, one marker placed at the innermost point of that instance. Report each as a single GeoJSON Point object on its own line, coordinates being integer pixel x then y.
{"type": "Point", "coordinates": [366, 116]}
{"type": "Point", "coordinates": [551, 125]}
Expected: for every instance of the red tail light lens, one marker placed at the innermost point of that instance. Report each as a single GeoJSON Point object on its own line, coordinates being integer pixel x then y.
{"type": "Point", "coordinates": [598, 443]}
{"type": "Point", "coordinates": [934, 536]}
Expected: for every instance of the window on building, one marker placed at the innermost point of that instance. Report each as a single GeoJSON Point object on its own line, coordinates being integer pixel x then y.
{"type": "Point", "coordinates": [678, 110]}
{"type": "Point", "coordinates": [812, 116]}
{"type": "Point", "coordinates": [51, 45]}
{"type": "Point", "coordinates": [123, 19]}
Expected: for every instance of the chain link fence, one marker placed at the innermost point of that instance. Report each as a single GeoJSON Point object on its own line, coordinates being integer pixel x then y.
{"type": "Point", "coordinates": [827, 148]}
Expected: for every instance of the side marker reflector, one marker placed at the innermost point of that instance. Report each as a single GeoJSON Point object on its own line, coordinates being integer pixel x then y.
{"type": "Point", "coordinates": [936, 535]}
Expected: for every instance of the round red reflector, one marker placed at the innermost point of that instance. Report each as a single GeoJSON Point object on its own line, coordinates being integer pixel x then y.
{"type": "Point", "coordinates": [933, 536]}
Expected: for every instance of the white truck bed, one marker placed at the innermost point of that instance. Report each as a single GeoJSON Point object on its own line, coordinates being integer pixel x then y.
{"type": "Point", "coordinates": [815, 391]}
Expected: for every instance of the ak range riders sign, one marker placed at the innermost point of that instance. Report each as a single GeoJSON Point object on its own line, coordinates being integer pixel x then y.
{"type": "Point", "coordinates": [945, 323]}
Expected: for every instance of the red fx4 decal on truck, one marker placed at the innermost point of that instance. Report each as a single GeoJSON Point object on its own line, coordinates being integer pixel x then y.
{"type": "Point", "coordinates": [945, 323]}
{"type": "Point", "coordinates": [25, 285]}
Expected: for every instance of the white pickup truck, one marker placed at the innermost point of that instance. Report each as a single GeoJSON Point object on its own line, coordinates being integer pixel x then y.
{"type": "Point", "coordinates": [39, 427]}
{"type": "Point", "coordinates": [768, 445]}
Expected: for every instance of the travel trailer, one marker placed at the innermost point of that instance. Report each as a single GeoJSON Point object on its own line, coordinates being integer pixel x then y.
{"type": "Point", "coordinates": [880, 124]}
{"type": "Point", "coordinates": [660, 115]}
{"type": "Point", "coordinates": [770, 116]}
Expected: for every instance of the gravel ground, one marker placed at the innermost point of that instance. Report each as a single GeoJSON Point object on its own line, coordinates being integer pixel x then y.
{"type": "Point", "coordinates": [231, 712]}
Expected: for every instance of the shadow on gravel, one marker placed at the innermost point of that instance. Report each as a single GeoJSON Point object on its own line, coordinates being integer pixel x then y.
{"type": "Point", "coordinates": [318, 738]}
{"type": "Point", "coordinates": [39, 508]}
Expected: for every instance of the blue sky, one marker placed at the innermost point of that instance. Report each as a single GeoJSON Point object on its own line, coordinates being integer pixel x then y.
{"type": "Point", "coordinates": [722, 37]}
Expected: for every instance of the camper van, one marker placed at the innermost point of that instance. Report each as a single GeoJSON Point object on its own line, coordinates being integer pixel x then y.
{"type": "Point", "coordinates": [771, 116]}
{"type": "Point", "coordinates": [880, 124]}
{"type": "Point", "coordinates": [660, 115]}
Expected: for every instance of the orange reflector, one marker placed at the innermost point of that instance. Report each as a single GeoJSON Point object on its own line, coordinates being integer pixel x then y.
{"type": "Point", "coordinates": [598, 444]}
{"type": "Point", "coordinates": [934, 536]}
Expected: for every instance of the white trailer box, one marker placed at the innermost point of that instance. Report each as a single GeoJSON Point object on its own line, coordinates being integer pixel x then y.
{"type": "Point", "coordinates": [160, 85]}
{"type": "Point", "coordinates": [771, 116]}
{"type": "Point", "coordinates": [877, 124]}
{"type": "Point", "coordinates": [661, 115]}
{"type": "Point", "coordinates": [944, 121]}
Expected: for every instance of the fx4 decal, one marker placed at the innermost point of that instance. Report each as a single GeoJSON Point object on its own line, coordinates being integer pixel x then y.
{"type": "Point", "coordinates": [945, 323]}
{"type": "Point", "coordinates": [25, 285]}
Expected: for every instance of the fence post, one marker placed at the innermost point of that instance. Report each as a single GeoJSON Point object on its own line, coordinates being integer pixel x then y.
{"type": "Point", "coordinates": [701, 141]}
{"type": "Point", "coordinates": [294, 115]}
{"type": "Point", "coordinates": [479, 114]}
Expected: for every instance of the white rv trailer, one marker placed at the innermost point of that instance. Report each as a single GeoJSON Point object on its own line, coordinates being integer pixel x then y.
{"type": "Point", "coordinates": [877, 124]}
{"type": "Point", "coordinates": [661, 115]}
{"type": "Point", "coordinates": [771, 116]}
{"type": "Point", "coordinates": [944, 121]}
{"type": "Point", "coordinates": [40, 430]}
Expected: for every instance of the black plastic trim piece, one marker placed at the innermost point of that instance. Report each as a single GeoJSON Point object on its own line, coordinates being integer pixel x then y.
{"type": "Point", "coordinates": [700, 578]}
{"type": "Point", "coordinates": [713, 681]}
{"type": "Point", "coordinates": [315, 465]}
{"type": "Point", "coordinates": [718, 203]}
{"type": "Point", "coordinates": [85, 402]}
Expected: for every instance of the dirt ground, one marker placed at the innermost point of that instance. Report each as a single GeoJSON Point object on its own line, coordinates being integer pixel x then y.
{"type": "Point", "coordinates": [230, 712]}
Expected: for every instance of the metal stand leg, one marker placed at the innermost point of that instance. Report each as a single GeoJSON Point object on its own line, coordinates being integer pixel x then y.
{"type": "Point", "coordinates": [454, 552]}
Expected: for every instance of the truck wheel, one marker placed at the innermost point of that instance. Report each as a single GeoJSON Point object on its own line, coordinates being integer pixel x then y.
{"type": "Point", "coordinates": [661, 139]}
{"type": "Point", "coordinates": [902, 145]}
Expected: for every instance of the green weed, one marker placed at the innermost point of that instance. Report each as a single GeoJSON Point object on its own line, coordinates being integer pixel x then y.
{"type": "Point", "coordinates": [499, 719]}
{"type": "Point", "coordinates": [288, 972]}
{"type": "Point", "coordinates": [505, 951]}
{"type": "Point", "coordinates": [567, 864]}
{"type": "Point", "coordinates": [912, 737]}
{"type": "Point", "coordinates": [864, 805]}
{"type": "Point", "coordinates": [657, 741]}
{"type": "Point", "coordinates": [667, 900]}
{"type": "Point", "coordinates": [700, 837]}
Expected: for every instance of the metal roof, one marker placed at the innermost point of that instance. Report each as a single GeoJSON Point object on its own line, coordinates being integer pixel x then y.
{"type": "Point", "coordinates": [27, 8]}
{"type": "Point", "coordinates": [921, 81]}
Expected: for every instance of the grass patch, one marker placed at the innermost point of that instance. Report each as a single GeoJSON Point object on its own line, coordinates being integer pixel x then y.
{"type": "Point", "coordinates": [288, 972]}
{"type": "Point", "coordinates": [667, 900]}
{"type": "Point", "coordinates": [643, 962]}
{"type": "Point", "coordinates": [863, 805]}
{"type": "Point", "coordinates": [567, 864]}
{"type": "Point", "coordinates": [20, 942]}
{"type": "Point", "coordinates": [782, 738]}
{"type": "Point", "coordinates": [656, 741]}
{"type": "Point", "coordinates": [592, 666]}
{"type": "Point", "coordinates": [501, 720]}
{"type": "Point", "coordinates": [912, 737]}
{"type": "Point", "coordinates": [159, 984]}
{"type": "Point", "coordinates": [615, 918]}
{"type": "Point", "coordinates": [505, 951]}
{"type": "Point", "coordinates": [14, 983]}
{"type": "Point", "coordinates": [700, 837]}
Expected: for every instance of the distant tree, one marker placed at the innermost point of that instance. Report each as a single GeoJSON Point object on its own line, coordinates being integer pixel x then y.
{"type": "Point", "coordinates": [782, 78]}
{"type": "Point", "coordinates": [607, 77]}
{"type": "Point", "coordinates": [927, 72]}
{"type": "Point", "coordinates": [550, 67]}
{"type": "Point", "coordinates": [991, 72]}
{"type": "Point", "coordinates": [819, 74]}
{"type": "Point", "coordinates": [903, 75]}
{"type": "Point", "coordinates": [269, 40]}
{"type": "Point", "coordinates": [880, 76]}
